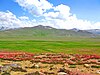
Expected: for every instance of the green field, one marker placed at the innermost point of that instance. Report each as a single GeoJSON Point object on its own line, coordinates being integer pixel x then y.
{"type": "Point", "coordinates": [41, 40]}
{"type": "Point", "coordinates": [70, 46]}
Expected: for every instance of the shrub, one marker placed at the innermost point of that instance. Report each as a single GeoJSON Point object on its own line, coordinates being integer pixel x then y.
{"type": "Point", "coordinates": [95, 66]}
{"type": "Point", "coordinates": [72, 66]}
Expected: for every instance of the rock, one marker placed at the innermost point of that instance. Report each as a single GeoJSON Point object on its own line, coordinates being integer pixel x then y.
{"type": "Point", "coordinates": [62, 73]}
{"type": "Point", "coordinates": [15, 65]}
{"type": "Point", "coordinates": [6, 69]}
{"type": "Point", "coordinates": [86, 65]}
{"type": "Point", "coordinates": [37, 73]}
{"type": "Point", "coordinates": [62, 70]}
{"type": "Point", "coordinates": [66, 65]}
{"type": "Point", "coordinates": [98, 71]}
{"type": "Point", "coordinates": [51, 68]}
{"type": "Point", "coordinates": [37, 66]}
{"type": "Point", "coordinates": [41, 73]}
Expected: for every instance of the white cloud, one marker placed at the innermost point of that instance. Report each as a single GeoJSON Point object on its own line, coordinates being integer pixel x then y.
{"type": "Point", "coordinates": [63, 10]}
{"type": "Point", "coordinates": [96, 25]}
{"type": "Point", "coordinates": [24, 18]}
{"type": "Point", "coordinates": [35, 7]}
{"type": "Point", "coordinates": [59, 17]}
{"type": "Point", "coordinates": [55, 16]}
{"type": "Point", "coordinates": [9, 20]}
{"type": "Point", "coordinates": [52, 15]}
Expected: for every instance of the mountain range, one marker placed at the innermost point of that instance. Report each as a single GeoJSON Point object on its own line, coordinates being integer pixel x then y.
{"type": "Point", "coordinates": [94, 31]}
{"type": "Point", "coordinates": [48, 32]}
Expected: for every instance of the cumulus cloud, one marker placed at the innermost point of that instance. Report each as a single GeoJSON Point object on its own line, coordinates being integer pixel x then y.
{"type": "Point", "coordinates": [46, 14]}
{"type": "Point", "coordinates": [35, 7]}
{"type": "Point", "coordinates": [59, 17]}
{"type": "Point", "coordinates": [64, 11]}
{"type": "Point", "coordinates": [96, 25]}
{"type": "Point", "coordinates": [24, 18]}
{"type": "Point", "coordinates": [9, 20]}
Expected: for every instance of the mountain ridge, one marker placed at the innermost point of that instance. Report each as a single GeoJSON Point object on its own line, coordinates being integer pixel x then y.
{"type": "Point", "coordinates": [93, 31]}
{"type": "Point", "coordinates": [41, 31]}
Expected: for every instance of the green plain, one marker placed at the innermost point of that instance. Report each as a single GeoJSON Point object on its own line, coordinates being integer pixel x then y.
{"type": "Point", "coordinates": [62, 45]}
{"type": "Point", "coordinates": [41, 40]}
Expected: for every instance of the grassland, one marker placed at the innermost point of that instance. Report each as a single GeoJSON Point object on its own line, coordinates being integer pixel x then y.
{"type": "Point", "coordinates": [41, 40]}
{"type": "Point", "coordinates": [68, 45]}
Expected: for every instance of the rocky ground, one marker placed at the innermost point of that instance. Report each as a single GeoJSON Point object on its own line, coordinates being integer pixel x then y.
{"type": "Point", "coordinates": [48, 64]}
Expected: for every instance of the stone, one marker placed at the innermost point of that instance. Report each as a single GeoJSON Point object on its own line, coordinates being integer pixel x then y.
{"type": "Point", "coordinates": [62, 70]}
{"type": "Point", "coordinates": [62, 73]}
{"type": "Point", "coordinates": [6, 69]}
{"type": "Point", "coordinates": [15, 65]}
{"type": "Point", "coordinates": [86, 65]}
{"type": "Point", "coordinates": [98, 71]}
{"type": "Point", "coordinates": [37, 73]}
{"type": "Point", "coordinates": [37, 66]}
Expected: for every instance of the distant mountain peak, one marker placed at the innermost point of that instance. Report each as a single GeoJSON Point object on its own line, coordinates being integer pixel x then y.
{"type": "Point", "coordinates": [75, 29]}
{"type": "Point", "coordinates": [94, 31]}
{"type": "Point", "coordinates": [43, 27]}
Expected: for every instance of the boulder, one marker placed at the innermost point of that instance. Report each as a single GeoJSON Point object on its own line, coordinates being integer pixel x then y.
{"type": "Point", "coordinates": [87, 65]}
{"type": "Point", "coordinates": [62, 73]}
{"type": "Point", "coordinates": [98, 71]}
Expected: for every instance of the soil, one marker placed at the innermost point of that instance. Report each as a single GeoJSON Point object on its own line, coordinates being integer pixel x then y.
{"type": "Point", "coordinates": [52, 64]}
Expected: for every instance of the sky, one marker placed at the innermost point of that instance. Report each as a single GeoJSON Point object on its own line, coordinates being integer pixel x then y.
{"type": "Point", "coordinates": [62, 14]}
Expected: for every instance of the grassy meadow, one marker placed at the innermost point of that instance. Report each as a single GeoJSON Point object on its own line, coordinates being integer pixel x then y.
{"type": "Point", "coordinates": [46, 45]}
{"type": "Point", "coordinates": [41, 40]}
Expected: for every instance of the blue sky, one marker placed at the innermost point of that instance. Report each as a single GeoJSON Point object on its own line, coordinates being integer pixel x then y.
{"type": "Point", "coordinates": [81, 14]}
{"type": "Point", "coordinates": [84, 9]}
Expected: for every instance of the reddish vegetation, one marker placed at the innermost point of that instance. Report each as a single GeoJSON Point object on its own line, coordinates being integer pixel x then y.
{"type": "Point", "coordinates": [16, 56]}
{"type": "Point", "coordinates": [50, 58]}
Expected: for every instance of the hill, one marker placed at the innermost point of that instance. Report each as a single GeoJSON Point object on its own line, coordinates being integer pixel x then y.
{"type": "Point", "coordinates": [41, 39]}
{"type": "Point", "coordinates": [94, 31]}
{"type": "Point", "coordinates": [44, 32]}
